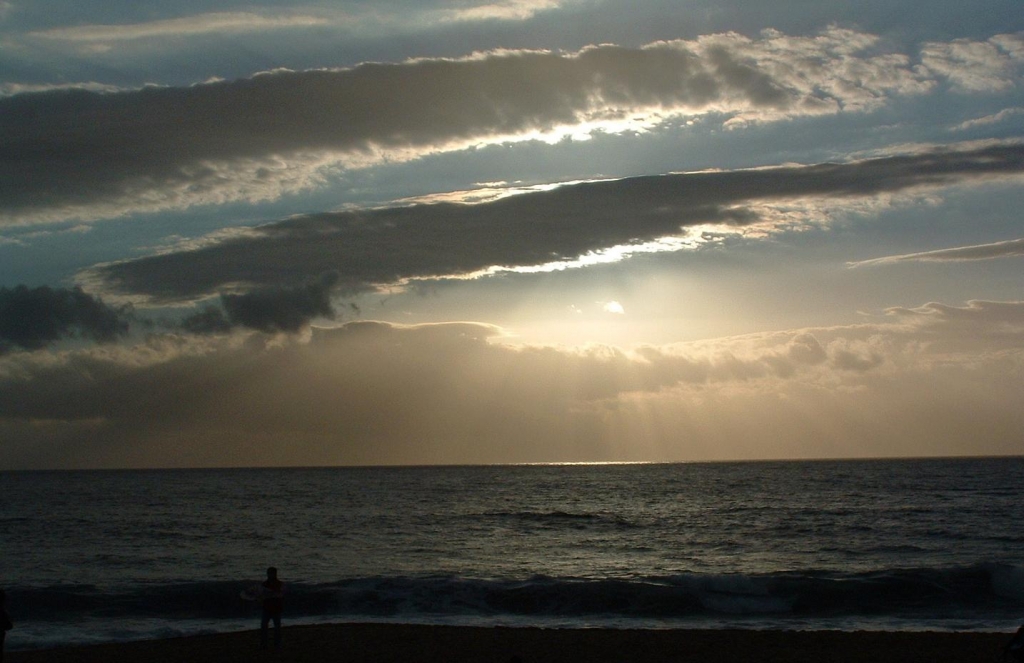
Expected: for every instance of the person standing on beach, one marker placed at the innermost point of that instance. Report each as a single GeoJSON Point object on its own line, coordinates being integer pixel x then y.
{"type": "Point", "coordinates": [5, 622]}
{"type": "Point", "coordinates": [273, 606]}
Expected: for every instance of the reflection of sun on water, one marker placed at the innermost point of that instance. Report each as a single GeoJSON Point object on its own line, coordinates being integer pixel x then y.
{"type": "Point", "coordinates": [585, 463]}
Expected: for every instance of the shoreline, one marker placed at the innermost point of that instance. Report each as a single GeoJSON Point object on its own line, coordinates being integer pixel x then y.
{"type": "Point", "coordinates": [395, 643]}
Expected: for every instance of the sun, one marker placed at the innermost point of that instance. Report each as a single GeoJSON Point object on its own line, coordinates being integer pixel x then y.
{"type": "Point", "coordinates": [613, 307]}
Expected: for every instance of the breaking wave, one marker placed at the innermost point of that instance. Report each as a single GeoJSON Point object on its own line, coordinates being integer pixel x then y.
{"type": "Point", "coordinates": [983, 591]}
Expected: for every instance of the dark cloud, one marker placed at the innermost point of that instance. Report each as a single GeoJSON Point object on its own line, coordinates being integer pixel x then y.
{"type": "Point", "coordinates": [268, 309]}
{"type": "Point", "coordinates": [74, 153]}
{"type": "Point", "coordinates": [208, 320]}
{"type": "Point", "coordinates": [32, 318]}
{"type": "Point", "coordinates": [384, 246]}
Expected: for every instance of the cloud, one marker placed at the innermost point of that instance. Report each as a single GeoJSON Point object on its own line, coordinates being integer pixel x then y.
{"type": "Point", "coordinates": [1008, 248]}
{"type": "Point", "coordinates": [32, 318]}
{"type": "Point", "coordinates": [208, 319]}
{"type": "Point", "coordinates": [989, 119]}
{"type": "Point", "coordinates": [8, 88]}
{"type": "Point", "coordinates": [998, 316]}
{"type": "Point", "coordinates": [352, 20]}
{"type": "Point", "coordinates": [374, 248]}
{"type": "Point", "coordinates": [851, 361]}
{"type": "Point", "coordinates": [80, 154]}
{"type": "Point", "coordinates": [804, 348]}
{"type": "Point", "coordinates": [506, 10]}
{"type": "Point", "coordinates": [914, 382]}
{"type": "Point", "coordinates": [271, 309]}
{"type": "Point", "coordinates": [977, 66]}
{"type": "Point", "coordinates": [209, 23]}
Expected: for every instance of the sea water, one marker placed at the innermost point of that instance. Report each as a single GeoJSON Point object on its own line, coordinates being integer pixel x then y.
{"type": "Point", "coordinates": [896, 544]}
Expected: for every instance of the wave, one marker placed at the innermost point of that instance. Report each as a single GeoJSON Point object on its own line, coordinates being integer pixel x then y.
{"type": "Point", "coordinates": [983, 591]}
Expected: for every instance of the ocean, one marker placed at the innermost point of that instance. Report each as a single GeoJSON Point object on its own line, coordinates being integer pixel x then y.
{"type": "Point", "coordinates": [887, 545]}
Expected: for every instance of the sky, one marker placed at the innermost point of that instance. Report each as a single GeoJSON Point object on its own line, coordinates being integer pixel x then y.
{"type": "Point", "coordinates": [520, 231]}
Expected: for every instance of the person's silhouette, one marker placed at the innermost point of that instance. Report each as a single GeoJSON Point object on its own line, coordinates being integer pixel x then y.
{"type": "Point", "coordinates": [273, 606]}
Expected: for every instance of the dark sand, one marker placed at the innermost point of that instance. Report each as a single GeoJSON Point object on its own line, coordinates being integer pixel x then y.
{"type": "Point", "coordinates": [386, 643]}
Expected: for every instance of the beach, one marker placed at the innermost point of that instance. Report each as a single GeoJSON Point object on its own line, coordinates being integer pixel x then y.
{"type": "Point", "coordinates": [386, 643]}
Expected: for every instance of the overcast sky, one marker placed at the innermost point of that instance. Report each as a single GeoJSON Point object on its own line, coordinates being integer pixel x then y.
{"type": "Point", "coordinates": [448, 231]}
